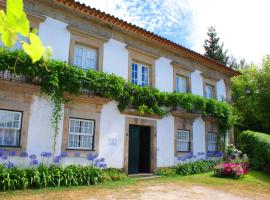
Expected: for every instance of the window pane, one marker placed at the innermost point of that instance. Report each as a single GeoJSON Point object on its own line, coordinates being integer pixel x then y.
{"type": "Point", "coordinates": [181, 84]}
{"type": "Point", "coordinates": [209, 91]}
{"type": "Point", "coordinates": [145, 76]}
{"type": "Point", "coordinates": [182, 140]}
{"type": "Point", "coordinates": [10, 123]}
{"type": "Point", "coordinates": [85, 57]}
{"type": "Point", "coordinates": [80, 134]}
{"type": "Point", "coordinates": [212, 142]}
{"type": "Point", "coordinates": [134, 73]}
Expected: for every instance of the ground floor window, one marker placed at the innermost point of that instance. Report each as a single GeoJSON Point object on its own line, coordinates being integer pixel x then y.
{"type": "Point", "coordinates": [183, 141]}
{"type": "Point", "coordinates": [212, 142]}
{"type": "Point", "coordinates": [81, 134]}
{"type": "Point", "coordinates": [10, 128]}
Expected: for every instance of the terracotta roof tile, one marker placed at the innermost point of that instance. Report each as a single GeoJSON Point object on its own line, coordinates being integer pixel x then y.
{"type": "Point", "coordinates": [129, 26]}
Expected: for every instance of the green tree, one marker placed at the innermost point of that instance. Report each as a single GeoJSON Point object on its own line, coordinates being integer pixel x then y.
{"type": "Point", "coordinates": [213, 49]}
{"type": "Point", "coordinates": [251, 97]}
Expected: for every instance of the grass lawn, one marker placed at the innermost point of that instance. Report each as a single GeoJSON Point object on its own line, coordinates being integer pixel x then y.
{"type": "Point", "coordinates": [255, 184]}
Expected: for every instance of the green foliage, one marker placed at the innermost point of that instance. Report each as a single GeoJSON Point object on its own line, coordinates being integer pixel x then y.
{"type": "Point", "coordinates": [196, 167]}
{"type": "Point", "coordinates": [54, 176]}
{"type": "Point", "coordinates": [257, 146]}
{"type": "Point", "coordinates": [112, 174]}
{"type": "Point", "coordinates": [166, 171]}
{"type": "Point", "coordinates": [15, 22]}
{"type": "Point", "coordinates": [213, 49]}
{"type": "Point", "coordinates": [253, 109]}
{"type": "Point", "coordinates": [61, 77]}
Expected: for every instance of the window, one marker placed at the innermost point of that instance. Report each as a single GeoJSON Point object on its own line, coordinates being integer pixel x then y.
{"type": "Point", "coordinates": [140, 74]}
{"type": "Point", "coordinates": [209, 91]}
{"type": "Point", "coordinates": [10, 128]}
{"type": "Point", "coordinates": [212, 142]}
{"type": "Point", "coordinates": [81, 134]}
{"type": "Point", "coordinates": [183, 141]}
{"type": "Point", "coordinates": [181, 84]}
{"type": "Point", "coordinates": [85, 57]}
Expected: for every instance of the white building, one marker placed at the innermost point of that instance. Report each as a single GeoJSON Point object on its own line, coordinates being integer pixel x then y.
{"type": "Point", "coordinates": [89, 38]}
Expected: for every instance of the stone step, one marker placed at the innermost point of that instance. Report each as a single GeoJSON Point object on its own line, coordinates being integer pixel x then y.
{"type": "Point", "coordinates": [143, 176]}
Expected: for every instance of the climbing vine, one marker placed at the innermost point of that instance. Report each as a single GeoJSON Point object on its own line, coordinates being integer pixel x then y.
{"type": "Point", "coordinates": [61, 77]}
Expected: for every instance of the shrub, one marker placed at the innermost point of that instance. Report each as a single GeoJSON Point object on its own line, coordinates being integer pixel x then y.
{"type": "Point", "coordinates": [235, 170]}
{"type": "Point", "coordinates": [257, 146]}
{"type": "Point", "coordinates": [54, 176]}
{"type": "Point", "coordinates": [112, 174]}
{"type": "Point", "coordinates": [196, 167]}
{"type": "Point", "coordinates": [166, 171]}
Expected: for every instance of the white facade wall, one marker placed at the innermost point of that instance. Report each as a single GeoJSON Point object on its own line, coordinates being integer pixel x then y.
{"type": "Point", "coordinates": [40, 131]}
{"type": "Point", "coordinates": [53, 33]}
{"type": "Point", "coordinates": [221, 90]}
{"type": "Point", "coordinates": [165, 142]}
{"type": "Point", "coordinates": [196, 83]}
{"type": "Point", "coordinates": [198, 136]}
{"type": "Point", "coordinates": [115, 58]}
{"type": "Point", "coordinates": [164, 75]}
{"type": "Point", "coordinates": [112, 134]}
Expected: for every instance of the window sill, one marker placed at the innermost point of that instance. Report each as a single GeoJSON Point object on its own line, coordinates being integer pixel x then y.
{"type": "Point", "coordinates": [71, 149]}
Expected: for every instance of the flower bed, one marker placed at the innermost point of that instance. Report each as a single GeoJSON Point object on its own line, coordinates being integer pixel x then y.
{"type": "Point", "coordinates": [46, 171]}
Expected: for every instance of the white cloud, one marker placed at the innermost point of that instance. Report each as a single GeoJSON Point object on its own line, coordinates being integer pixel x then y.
{"type": "Point", "coordinates": [242, 25]}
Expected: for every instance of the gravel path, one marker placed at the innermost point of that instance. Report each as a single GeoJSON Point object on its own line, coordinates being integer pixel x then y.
{"type": "Point", "coordinates": [143, 191]}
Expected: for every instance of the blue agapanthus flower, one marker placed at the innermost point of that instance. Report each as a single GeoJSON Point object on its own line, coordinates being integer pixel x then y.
{"type": "Point", "coordinates": [4, 157]}
{"type": "Point", "coordinates": [9, 165]}
{"type": "Point", "coordinates": [64, 154]}
{"type": "Point", "coordinates": [24, 154]}
{"type": "Point", "coordinates": [12, 153]}
{"type": "Point", "coordinates": [33, 162]}
{"type": "Point", "coordinates": [3, 152]}
{"type": "Point", "coordinates": [33, 157]}
{"type": "Point", "coordinates": [57, 159]}
{"type": "Point", "coordinates": [46, 154]}
{"type": "Point", "coordinates": [91, 157]}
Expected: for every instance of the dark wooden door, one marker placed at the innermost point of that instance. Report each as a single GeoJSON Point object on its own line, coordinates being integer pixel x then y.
{"type": "Point", "coordinates": [139, 149]}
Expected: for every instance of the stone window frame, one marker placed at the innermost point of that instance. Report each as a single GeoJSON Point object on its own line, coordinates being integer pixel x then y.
{"type": "Point", "coordinates": [183, 123]}
{"type": "Point", "coordinates": [211, 126]}
{"type": "Point", "coordinates": [142, 57]}
{"type": "Point", "coordinates": [18, 97]}
{"type": "Point", "coordinates": [87, 39]}
{"type": "Point", "coordinates": [180, 70]}
{"type": "Point", "coordinates": [82, 107]}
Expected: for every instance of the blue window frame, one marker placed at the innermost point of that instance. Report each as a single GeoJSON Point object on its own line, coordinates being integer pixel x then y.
{"type": "Point", "coordinates": [140, 74]}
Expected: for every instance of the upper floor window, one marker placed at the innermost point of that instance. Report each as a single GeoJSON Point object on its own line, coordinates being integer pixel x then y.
{"type": "Point", "coordinates": [212, 142]}
{"type": "Point", "coordinates": [140, 74]}
{"type": "Point", "coordinates": [181, 84]}
{"type": "Point", "coordinates": [81, 134]}
{"type": "Point", "coordinates": [85, 57]}
{"type": "Point", "coordinates": [183, 141]}
{"type": "Point", "coordinates": [10, 128]}
{"type": "Point", "coordinates": [209, 91]}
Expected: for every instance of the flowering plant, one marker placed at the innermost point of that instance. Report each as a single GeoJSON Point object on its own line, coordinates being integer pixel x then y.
{"type": "Point", "coordinates": [235, 163]}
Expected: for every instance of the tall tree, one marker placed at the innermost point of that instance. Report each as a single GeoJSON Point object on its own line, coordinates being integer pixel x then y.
{"type": "Point", "coordinates": [213, 49]}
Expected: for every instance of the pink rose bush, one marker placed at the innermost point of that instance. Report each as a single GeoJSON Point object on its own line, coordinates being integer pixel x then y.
{"type": "Point", "coordinates": [235, 164]}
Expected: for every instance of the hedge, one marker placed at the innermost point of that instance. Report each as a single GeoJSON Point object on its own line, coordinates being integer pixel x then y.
{"type": "Point", "coordinates": [257, 146]}
{"type": "Point", "coordinates": [54, 176]}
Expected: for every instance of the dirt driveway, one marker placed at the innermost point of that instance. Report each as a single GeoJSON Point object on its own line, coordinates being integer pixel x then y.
{"type": "Point", "coordinates": [141, 190]}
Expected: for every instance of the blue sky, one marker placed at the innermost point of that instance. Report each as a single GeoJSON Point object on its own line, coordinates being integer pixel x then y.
{"type": "Point", "coordinates": [242, 25]}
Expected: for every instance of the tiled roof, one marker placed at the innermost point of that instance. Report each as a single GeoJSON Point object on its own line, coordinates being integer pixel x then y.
{"type": "Point", "coordinates": [147, 34]}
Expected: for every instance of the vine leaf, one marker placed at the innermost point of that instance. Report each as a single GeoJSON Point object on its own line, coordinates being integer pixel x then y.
{"type": "Point", "coordinates": [35, 49]}
{"type": "Point", "coordinates": [15, 21]}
